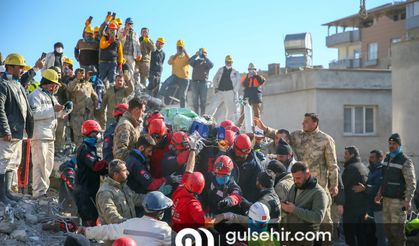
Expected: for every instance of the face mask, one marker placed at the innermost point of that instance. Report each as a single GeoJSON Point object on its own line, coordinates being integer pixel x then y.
{"type": "Point", "coordinates": [160, 215]}
{"type": "Point", "coordinates": [59, 50]}
{"type": "Point", "coordinates": [222, 180]}
{"type": "Point", "coordinates": [255, 226]}
{"type": "Point", "coordinates": [90, 140]}
{"type": "Point", "coordinates": [89, 40]}
{"type": "Point", "coordinates": [228, 67]}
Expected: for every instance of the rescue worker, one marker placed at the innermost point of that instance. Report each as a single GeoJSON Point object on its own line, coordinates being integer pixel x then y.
{"type": "Point", "coordinates": [55, 58]}
{"type": "Point", "coordinates": [158, 131]}
{"type": "Point", "coordinates": [15, 118]}
{"type": "Point", "coordinates": [89, 169]}
{"type": "Point", "coordinates": [115, 201]}
{"type": "Point", "coordinates": [44, 108]}
{"type": "Point", "coordinates": [146, 47]}
{"type": "Point", "coordinates": [226, 87]}
{"type": "Point", "coordinates": [174, 161]}
{"type": "Point", "coordinates": [147, 230]}
{"type": "Point", "coordinates": [199, 85]}
{"type": "Point", "coordinates": [128, 130]}
{"type": "Point", "coordinates": [130, 45]}
{"type": "Point", "coordinates": [84, 99]}
{"type": "Point", "coordinates": [115, 95]}
{"type": "Point", "coordinates": [247, 166]}
{"type": "Point", "coordinates": [396, 191]}
{"type": "Point", "coordinates": [156, 68]}
{"type": "Point", "coordinates": [86, 51]}
{"type": "Point", "coordinates": [110, 55]}
{"type": "Point", "coordinates": [252, 83]}
{"type": "Point", "coordinates": [108, 136]}
{"type": "Point", "coordinates": [138, 162]}
{"type": "Point", "coordinates": [222, 194]}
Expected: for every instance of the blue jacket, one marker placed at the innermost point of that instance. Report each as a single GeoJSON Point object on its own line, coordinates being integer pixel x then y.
{"type": "Point", "coordinates": [108, 142]}
{"type": "Point", "coordinates": [375, 178]}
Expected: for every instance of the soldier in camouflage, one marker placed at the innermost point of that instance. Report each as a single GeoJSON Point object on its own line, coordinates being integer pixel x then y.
{"type": "Point", "coordinates": [317, 149]}
{"type": "Point", "coordinates": [396, 191]}
{"type": "Point", "coordinates": [85, 101]}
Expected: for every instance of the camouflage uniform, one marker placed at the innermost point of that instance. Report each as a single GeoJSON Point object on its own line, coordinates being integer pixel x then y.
{"type": "Point", "coordinates": [127, 133]}
{"type": "Point", "coordinates": [114, 97]}
{"type": "Point", "coordinates": [318, 150]}
{"type": "Point", "coordinates": [144, 65]}
{"type": "Point", "coordinates": [85, 100]}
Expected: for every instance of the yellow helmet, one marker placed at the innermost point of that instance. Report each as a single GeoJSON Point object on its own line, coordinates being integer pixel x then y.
{"type": "Point", "coordinates": [88, 29]}
{"type": "Point", "coordinates": [51, 75]}
{"type": "Point", "coordinates": [203, 50]}
{"type": "Point", "coordinates": [15, 59]}
{"type": "Point", "coordinates": [161, 40]}
{"type": "Point", "coordinates": [229, 58]}
{"type": "Point", "coordinates": [97, 28]}
{"type": "Point", "coordinates": [118, 21]}
{"type": "Point", "coordinates": [68, 60]}
{"type": "Point", "coordinates": [180, 43]}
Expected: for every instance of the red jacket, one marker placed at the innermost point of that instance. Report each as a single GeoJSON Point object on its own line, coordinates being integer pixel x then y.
{"type": "Point", "coordinates": [187, 211]}
{"type": "Point", "coordinates": [157, 157]}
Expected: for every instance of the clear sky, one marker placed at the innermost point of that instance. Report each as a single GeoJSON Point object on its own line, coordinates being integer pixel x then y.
{"type": "Point", "coordinates": [251, 31]}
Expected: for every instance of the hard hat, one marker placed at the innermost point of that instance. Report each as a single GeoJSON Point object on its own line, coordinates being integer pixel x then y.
{"type": "Point", "coordinates": [124, 241]}
{"type": "Point", "coordinates": [259, 212]}
{"type": "Point", "coordinates": [229, 58]}
{"type": "Point", "coordinates": [242, 144]}
{"type": "Point", "coordinates": [180, 140]}
{"type": "Point", "coordinates": [161, 40]}
{"type": "Point", "coordinates": [152, 116]}
{"type": "Point", "coordinates": [180, 43]}
{"type": "Point", "coordinates": [223, 166]}
{"type": "Point", "coordinates": [229, 137]}
{"type": "Point", "coordinates": [203, 50]}
{"type": "Point", "coordinates": [156, 201]}
{"type": "Point", "coordinates": [90, 126]}
{"type": "Point", "coordinates": [97, 28]}
{"type": "Point", "coordinates": [50, 75]}
{"type": "Point", "coordinates": [129, 20]}
{"type": "Point", "coordinates": [91, 68]}
{"type": "Point", "coordinates": [251, 66]}
{"type": "Point", "coordinates": [118, 21]}
{"type": "Point", "coordinates": [113, 26]}
{"type": "Point", "coordinates": [68, 60]}
{"type": "Point", "coordinates": [227, 124]}
{"type": "Point", "coordinates": [195, 183]}
{"type": "Point", "coordinates": [15, 59]}
{"type": "Point", "coordinates": [157, 127]}
{"type": "Point", "coordinates": [89, 29]}
{"type": "Point", "coordinates": [120, 109]}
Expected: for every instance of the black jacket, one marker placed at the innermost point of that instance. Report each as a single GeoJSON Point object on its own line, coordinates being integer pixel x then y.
{"type": "Point", "coordinates": [356, 203]}
{"type": "Point", "coordinates": [271, 200]}
{"type": "Point", "coordinates": [156, 62]}
{"type": "Point", "coordinates": [11, 118]}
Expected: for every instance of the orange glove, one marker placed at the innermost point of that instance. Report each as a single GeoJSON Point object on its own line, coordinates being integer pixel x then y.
{"type": "Point", "coordinates": [138, 58]}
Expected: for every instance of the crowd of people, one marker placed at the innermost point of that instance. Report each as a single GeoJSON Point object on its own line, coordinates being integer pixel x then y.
{"type": "Point", "coordinates": [133, 178]}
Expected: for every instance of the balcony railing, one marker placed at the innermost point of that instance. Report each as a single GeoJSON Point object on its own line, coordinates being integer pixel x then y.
{"type": "Point", "coordinates": [345, 64]}
{"type": "Point", "coordinates": [343, 38]}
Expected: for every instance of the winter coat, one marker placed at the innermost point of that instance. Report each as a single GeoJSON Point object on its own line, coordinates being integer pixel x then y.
{"type": "Point", "coordinates": [235, 78]}
{"type": "Point", "coordinates": [201, 68]}
{"type": "Point", "coordinates": [375, 178]}
{"type": "Point", "coordinates": [127, 133]}
{"type": "Point", "coordinates": [283, 186]}
{"type": "Point", "coordinates": [83, 97]}
{"type": "Point", "coordinates": [114, 96]}
{"type": "Point", "coordinates": [146, 48]}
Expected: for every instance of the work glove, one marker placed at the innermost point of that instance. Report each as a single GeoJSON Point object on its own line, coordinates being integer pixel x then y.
{"type": "Point", "coordinates": [165, 189]}
{"type": "Point", "coordinates": [138, 58]}
{"type": "Point", "coordinates": [225, 203]}
{"type": "Point", "coordinates": [174, 179]}
{"type": "Point", "coordinates": [100, 166]}
{"type": "Point", "coordinates": [146, 39]}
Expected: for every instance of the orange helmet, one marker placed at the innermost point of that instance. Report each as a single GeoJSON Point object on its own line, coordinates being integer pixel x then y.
{"type": "Point", "coordinates": [242, 144]}
{"type": "Point", "coordinates": [124, 241]}
{"type": "Point", "coordinates": [195, 183]}
{"type": "Point", "coordinates": [157, 127]}
{"type": "Point", "coordinates": [113, 26]}
{"type": "Point", "coordinates": [120, 109]}
{"type": "Point", "coordinates": [90, 126]}
{"type": "Point", "coordinates": [223, 166]}
{"type": "Point", "coordinates": [180, 140]}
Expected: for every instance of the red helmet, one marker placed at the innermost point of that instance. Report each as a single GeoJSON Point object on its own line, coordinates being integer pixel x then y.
{"type": "Point", "coordinates": [180, 140]}
{"type": "Point", "coordinates": [242, 144]}
{"type": "Point", "coordinates": [227, 124]}
{"type": "Point", "coordinates": [90, 126]}
{"type": "Point", "coordinates": [158, 127]}
{"type": "Point", "coordinates": [229, 137]}
{"type": "Point", "coordinates": [152, 116]}
{"type": "Point", "coordinates": [124, 241]}
{"type": "Point", "coordinates": [113, 25]}
{"type": "Point", "coordinates": [120, 109]}
{"type": "Point", "coordinates": [195, 182]}
{"type": "Point", "coordinates": [223, 166]}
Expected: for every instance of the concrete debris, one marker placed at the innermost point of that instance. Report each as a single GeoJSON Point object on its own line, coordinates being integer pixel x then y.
{"type": "Point", "coordinates": [19, 235]}
{"type": "Point", "coordinates": [7, 227]}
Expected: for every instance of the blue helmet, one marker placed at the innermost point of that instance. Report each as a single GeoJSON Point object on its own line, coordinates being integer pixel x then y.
{"type": "Point", "coordinates": [155, 201]}
{"type": "Point", "coordinates": [129, 20]}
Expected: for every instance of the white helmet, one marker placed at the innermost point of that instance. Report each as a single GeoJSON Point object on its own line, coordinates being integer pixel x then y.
{"type": "Point", "coordinates": [259, 212]}
{"type": "Point", "coordinates": [251, 66]}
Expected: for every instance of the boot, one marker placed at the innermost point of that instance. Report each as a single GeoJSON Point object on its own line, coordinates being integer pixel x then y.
{"type": "Point", "coordinates": [9, 179]}
{"type": "Point", "coordinates": [3, 197]}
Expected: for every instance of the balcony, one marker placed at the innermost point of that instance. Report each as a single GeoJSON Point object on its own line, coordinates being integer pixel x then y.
{"type": "Point", "coordinates": [345, 64]}
{"type": "Point", "coordinates": [412, 22]}
{"type": "Point", "coordinates": [343, 38]}
{"type": "Point", "coordinates": [371, 62]}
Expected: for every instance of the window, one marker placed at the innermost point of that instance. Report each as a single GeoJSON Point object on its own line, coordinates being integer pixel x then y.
{"type": "Point", "coordinates": [395, 40]}
{"type": "Point", "coordinates": [357, 54]}
{"type": "Point", "coordinates": [359, 120]}
{"type": "Point", "coordinates": [372, 51]}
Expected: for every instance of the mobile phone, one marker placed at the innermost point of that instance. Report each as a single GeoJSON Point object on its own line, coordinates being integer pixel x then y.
{"type": "Point", "coordinates": [90, 19]}
{"type": "Point", "coordinates": [109, 12]}
{"type": "Point", "coordinates": [43, 55]}
{"type": "Point", "coordinates": [113, 15]}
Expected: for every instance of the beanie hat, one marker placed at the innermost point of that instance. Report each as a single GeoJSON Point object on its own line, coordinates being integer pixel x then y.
{"type": "Point", "coordinates": [277, 167]}
{"type": "Point", "coordinates": [395, 137]}
{"type": "Point", "coordinates": [266, 179]}
{"type": "Point", "coordinates": [283, 148]}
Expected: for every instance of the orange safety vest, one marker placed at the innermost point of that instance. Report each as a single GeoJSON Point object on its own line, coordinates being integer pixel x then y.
{"type": "Point", "coordinates": [253, 82]}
